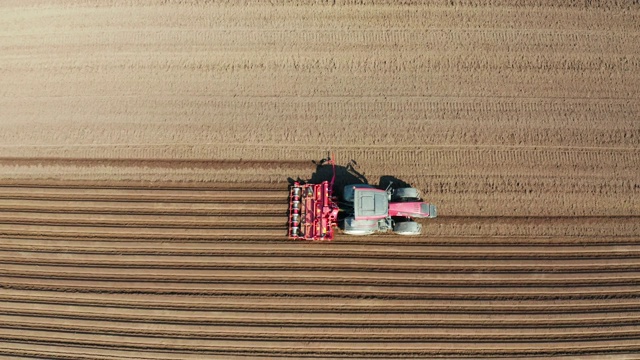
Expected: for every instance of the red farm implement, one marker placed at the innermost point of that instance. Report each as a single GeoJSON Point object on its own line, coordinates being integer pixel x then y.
{"type": "Point", "coordinates": [313, 210]}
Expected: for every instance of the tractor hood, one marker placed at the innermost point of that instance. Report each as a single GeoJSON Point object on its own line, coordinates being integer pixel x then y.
{"type": "Point", "coordinates": [414, 209]}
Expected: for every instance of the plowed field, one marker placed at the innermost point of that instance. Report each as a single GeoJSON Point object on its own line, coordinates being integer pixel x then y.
{"type": "Point", "coordinates": [146, 149]}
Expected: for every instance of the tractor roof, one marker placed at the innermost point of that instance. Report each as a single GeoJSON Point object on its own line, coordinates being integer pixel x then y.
{"type": "Point", "coordinates": [370, 203]}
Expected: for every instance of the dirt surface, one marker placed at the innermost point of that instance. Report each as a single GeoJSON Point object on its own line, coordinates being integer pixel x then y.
{"type": "Point", "coordinates": [146, 149]}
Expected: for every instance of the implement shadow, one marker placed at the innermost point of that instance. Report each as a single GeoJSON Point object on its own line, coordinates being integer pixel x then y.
{"type": "Point", "coordinates": [345, 175]}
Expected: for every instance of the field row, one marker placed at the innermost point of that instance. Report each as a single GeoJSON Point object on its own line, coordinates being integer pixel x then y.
{"type": "Point", "coordinates": [334, 333]}
{"type": "Point", "coordinates": [481, 133]}
{"type": "Point", "coordinates": [110, 346]}
{"type": "Point", "coordinates": [323, 305]}
{"type": "Point", "coordinates": [383, 248]}
{"type": "Point", "coordinates": [159, 82]}
{"type": "Point", "coordinates": [346, 63]}
{"type": "Point", "coordinates": [75, 350]}
{"type": "Point", "coordinates": [102, 194]}
{"type": "Point", "coordinates": [314, 269]}
{"type": "Point", "coordinates": [568, 160]}
{"type": "Point", "coordinates": [587, 229]}
{"type": "Point", "coordinates": [480, 111]}
{"type": "Point", "coordinates": [288, 40]}
{"type": "Point", "coordinates": [538, 292]}
{"type": "Point", "coordinates": [572, 15]}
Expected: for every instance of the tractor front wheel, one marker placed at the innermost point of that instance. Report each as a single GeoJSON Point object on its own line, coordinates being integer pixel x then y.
{"type": "Point", "coordinates": [407, 228]}
{"type": "Point", "coordinates": [406, 194]}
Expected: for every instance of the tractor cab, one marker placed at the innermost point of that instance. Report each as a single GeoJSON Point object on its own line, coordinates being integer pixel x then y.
{"type": "Point", "coordinates": [369, 203]}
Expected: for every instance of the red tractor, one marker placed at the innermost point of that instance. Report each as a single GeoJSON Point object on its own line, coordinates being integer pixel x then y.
{"type": "Point", "coordinates": [313, 210]}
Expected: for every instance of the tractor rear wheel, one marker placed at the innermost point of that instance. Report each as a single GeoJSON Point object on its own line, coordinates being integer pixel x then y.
{"type": "Point", "coordinates": [351, 226]}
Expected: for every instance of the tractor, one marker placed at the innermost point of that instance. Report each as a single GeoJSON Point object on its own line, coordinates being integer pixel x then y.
{"type": "Point", "coordinates": [364, 209]}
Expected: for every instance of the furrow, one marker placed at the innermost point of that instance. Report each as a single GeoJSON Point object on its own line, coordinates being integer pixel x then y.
{"type": "Point", "coordinates": [69, 185]}
{"type": "Point", "coordinates": [304, 348]}
{"type": "Point", "coordinates": [93, 232]}
{"type": "Point", "coordinates": [290, 263]}
{"type": "Point", "coordinates": [360, 278]}
{"type": "Point", "coordinates": [198, 317]}
{"type": "Point", "coordinates": [329, 331]}
{"type": "Point", "coordinates": [315, 305]}
{"type": "Point", "coordinates": [17, 350]}
{"type": "Point", "coordinates": [400, 251]}
{"type": "Point", "coordinates": [321, 290]}
{"type": "Point", "coordinates": [558, 231]}
{"type": "Point", "coordinates": [187, 195]}
{"type": "Point", "coordinates": [241, 207]}
{"type": "Point", "coordinates": [144, 221]}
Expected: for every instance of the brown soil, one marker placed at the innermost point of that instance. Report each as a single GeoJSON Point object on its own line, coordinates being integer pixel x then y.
{"type": "Point", "coordinates": [145, 151]}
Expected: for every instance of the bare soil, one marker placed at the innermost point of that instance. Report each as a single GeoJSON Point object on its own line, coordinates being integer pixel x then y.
{"type": "Point", "coordinates": [146, 148]}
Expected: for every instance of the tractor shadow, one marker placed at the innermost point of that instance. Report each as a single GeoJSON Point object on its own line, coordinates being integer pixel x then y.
{"type": "Point", "coordinates": [386, 180]}
{"type": "Point", "coordinates": [346, 175]}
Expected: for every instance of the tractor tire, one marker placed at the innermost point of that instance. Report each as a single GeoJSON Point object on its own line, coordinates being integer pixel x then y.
{"type": "Point", "coordinates": [406, 194]}
{"type": "Point", "coordinates": [407, 228]}
{"type": "Point", "coordinates": [351, 226]}
{"type": "Point", "coordinates": [358, 232]}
